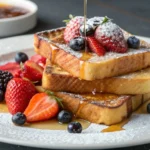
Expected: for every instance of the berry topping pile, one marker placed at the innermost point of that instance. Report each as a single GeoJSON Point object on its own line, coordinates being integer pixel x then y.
{"type": "Point", "coordinates": [100, 34]}
{"type": "Point", "coordinates": [24, 100]}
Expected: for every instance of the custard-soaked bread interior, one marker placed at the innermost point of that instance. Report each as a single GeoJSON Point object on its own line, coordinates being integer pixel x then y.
{"type": "Point", "coordinates": [89, 66]}
{"type": "Point", "coordinates": [56, 79]}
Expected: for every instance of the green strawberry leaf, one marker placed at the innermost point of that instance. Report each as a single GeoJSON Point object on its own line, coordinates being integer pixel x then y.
{"type": "Point", "coordinates": [106, 19]}
{"type": "Point", "coordinates": [58, 100]}
{"type": "Point", "coordinates": [68, 20]}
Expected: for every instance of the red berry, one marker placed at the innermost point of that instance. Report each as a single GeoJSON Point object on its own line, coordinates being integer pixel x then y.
{"type": "Point", "coordinates": [95, 46]}
{"type": "Point", "coordinates": [18, 94]}
{"type": "Point", "coordinates": [111, 37]}
{"type": "Point", "coordinates": [40, 60]}
{"type": "Point", "coordinates": [10, 67]}
{"type": "Point", "coordinates": [32, 71]}
{"type": "Point", "coordinates": [72, 28]}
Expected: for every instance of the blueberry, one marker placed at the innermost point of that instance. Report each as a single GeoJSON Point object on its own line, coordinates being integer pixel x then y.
{"type": "Point", "coordinates": [148, 108]}
{"type": "Point", "coordinates": [21, 57]}
{"type": "Point", "coordinates": [77, 43]}
{"type": "Point", "coordinates": [19, 119]}
{"type": "Point", "coordinates": [88, 28]}
{"type": "Point", "coordinates": [1, 95]}
{"type": "Point", "coordinates": [74, 127]}
{"type": "Point", "coordinates": [64, 116]}
{"type": "Point", "coordinates": [133, 42]}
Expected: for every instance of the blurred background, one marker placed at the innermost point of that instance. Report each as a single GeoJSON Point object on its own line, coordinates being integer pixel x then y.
{"type": "Point", "coordinates": [132, 15]}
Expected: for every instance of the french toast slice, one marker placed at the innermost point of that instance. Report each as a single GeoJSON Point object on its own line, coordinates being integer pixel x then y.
{"type": "Point", "coordinates": [89, 66]}
{"type": "Point", "coordinates": [56, 79]}
{"type": "Point", "coordinates": [105, 109]}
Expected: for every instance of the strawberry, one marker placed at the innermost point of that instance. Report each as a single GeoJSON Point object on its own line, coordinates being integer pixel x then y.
{"type": "Point", "coordinates": [72, 28]}
{"type": "Point", "coordinates": [11, 67]}
{"type": "Point", "coordinates": [41, 107]}
{"type": "Point", "coordinates": [40, 60]}
{"type": "Point", "coordinates": [111, 36]}
{"type": "Point", "coordinates": [32, 71]}
{"type": "Point", "coordinates": [18, 94]}
{"type": "Point", "coordinates": [95, 46]}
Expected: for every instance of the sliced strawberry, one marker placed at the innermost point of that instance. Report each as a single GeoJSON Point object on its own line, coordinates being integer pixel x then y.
{"type": "Point", "coordinates": [41, 107]}
{"type": "Point", "coordinates": [11, 67]}
{"type": "Point", "coordinates": [32, 71]}
{"type": "Point", "coordinates": [18, 94]}
{"type": "Point", "coordinates": [40, 60]}
{"type": "Point", "coordinates": [95, 46]}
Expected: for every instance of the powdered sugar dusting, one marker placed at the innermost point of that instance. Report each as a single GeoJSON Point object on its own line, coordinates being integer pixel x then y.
{"type": "Point", "coordinates": [108, 29]}
{"type": "Point", "coordinates": [108, 56]}
{"type": "Point", "coordinates": [95, 21]}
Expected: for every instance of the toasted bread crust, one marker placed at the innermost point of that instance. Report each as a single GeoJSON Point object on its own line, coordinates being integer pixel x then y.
{"type": "Point", "coordinates": [45, 45]}
{"type": "Point", "coordinates": [56, 79]}
{"type": "Point", "coordinates": [100, 108]}
{"type": "Point", "coordinates": [101, 111]}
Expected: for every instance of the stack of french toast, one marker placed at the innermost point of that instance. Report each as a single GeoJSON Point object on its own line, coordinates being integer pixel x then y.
{"type": "Point", "coordinates": [100, 71]}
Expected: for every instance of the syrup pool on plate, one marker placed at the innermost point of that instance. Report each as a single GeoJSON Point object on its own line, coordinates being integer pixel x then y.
{"type": "Point", "coordinates": [3, 108]}
{"type": "Point", "coordinates": [52, 124]}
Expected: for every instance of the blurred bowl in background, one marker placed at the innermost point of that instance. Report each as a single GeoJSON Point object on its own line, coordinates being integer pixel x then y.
{"type": "Point", "coordinates": [19, 24]}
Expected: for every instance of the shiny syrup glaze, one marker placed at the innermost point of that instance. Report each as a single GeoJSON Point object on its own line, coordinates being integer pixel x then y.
{"type": "Point", "coordinates": [52, 124]}
{"type": "Point", "coordinates": [116, 127]}
{"type": "Point", "coordinates": [8, 11]}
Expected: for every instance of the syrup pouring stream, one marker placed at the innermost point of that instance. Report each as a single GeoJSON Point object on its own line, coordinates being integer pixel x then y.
{"type": "Point", "coordinates": [85, 18]}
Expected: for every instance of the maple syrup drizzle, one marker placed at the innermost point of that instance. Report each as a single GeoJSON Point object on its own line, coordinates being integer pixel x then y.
{"type": "Point", "coordinates": [116, 127]}
{"type": "Point", "coordinates": [86, 56]}
{"type": "Point", "coordinates": [85, 18]}
{"type": "Point", "coordinates": [53, 124]}
{"type": "Point", "coordinates": [3, 108]}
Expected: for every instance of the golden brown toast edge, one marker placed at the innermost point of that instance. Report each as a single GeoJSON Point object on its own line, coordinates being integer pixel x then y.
{"type": "Point", "coordinates": [56, 79]}
{"type": "Point", "coordinates": [105, 109]}
{"type": "Point", "coordinates": [45, 45]}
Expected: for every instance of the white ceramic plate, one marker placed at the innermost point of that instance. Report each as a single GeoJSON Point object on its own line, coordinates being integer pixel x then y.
{"type": "Point", "coordinates": [136, 132]}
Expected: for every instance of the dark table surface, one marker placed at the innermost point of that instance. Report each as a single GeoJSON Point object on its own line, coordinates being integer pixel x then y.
{"type": "Point", "coordinates": [132, 15]}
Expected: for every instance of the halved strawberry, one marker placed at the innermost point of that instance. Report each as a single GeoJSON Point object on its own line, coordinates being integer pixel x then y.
{"type": "Point", "coordinates": [32, 71]}
{"type": "Point", "coordinates": [41, 107]}
{"type": "Point", "coordinates": [11, 67]}
{"type": "Point", "coordinates": [40, 60]}
{"type": "Point", "coordinates": [95, 46]}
